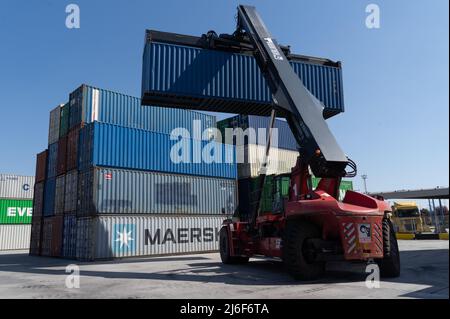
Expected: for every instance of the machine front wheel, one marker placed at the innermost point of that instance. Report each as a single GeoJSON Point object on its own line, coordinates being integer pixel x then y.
{"type": "Point", "coordinates": [390, 264]}
{"type": "Point", "coordinates": [298, 255]}
{"type": "Point", "coordinates": [225, 252]}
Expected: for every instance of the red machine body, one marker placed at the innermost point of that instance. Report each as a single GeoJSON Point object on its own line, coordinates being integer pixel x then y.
{"type": "Point", "coordinates": [350, 230]}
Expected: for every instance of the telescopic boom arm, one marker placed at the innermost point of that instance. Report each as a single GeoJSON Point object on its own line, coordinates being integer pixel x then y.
{"type": "Point", "coordinates": [292, 100]}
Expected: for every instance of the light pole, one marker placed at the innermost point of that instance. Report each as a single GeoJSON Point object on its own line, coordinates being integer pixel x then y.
{"type": "Point", "coordinates": [364, 177]}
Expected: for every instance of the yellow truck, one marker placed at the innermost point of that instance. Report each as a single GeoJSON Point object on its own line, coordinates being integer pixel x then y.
{"type": "Point", "coordinates": [407, 218]}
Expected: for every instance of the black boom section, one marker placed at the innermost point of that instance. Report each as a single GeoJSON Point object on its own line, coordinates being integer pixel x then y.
{"type": "Point", "coordinates": [302, 110]}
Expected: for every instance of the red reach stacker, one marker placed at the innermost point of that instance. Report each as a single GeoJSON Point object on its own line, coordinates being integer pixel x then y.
{"type": "Point", "coordinates": [313, 227]}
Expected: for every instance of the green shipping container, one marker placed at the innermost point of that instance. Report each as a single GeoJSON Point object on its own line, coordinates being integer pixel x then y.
{"type": "Point", "coordinates": [343, 188]}
{"type": "Point", "coordinates": [15, 211]}
{"type": "Point", "coordinates": [64, 122]}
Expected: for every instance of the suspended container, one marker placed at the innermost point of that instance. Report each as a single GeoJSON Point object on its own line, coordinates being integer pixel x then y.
{"type": "Point", "coordinates": [16, 186]}
{"type": "Point", "coordinates": [115, 146]}
{"type": "Point", "coordinates": [108, 237]}
{"type": "Point", "coordinates": [89, 104]}
{"type": "Point", "coordinates": [185, 71]}
{"type": "Point", "coordinates": [117, 191]}
{"type": "Point", "coordinates": [14, 237]}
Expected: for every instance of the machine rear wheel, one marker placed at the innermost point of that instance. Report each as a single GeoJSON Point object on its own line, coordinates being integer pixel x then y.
{"type": "Point", "coordinates": [298, 255]}
{"type": "Point", "coordinates": [225, 253]}
{"type": "Point", "coordinates": [390, 264]}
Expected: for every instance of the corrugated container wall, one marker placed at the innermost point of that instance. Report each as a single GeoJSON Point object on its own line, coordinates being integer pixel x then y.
{"type": "Point", "coordinates": [225, 82]}
{"type": "Point", "coordinates": [52, 236]}
{"type": "Point", "coordinates": [64, 121]}
{"type": "Point", "coordinates": [127, 236]}
{"type": "Point", "coordinates": [115, 146]}
{"type": "Point", "coordinates": [14, 237]}
{"type": "Point", "coordinates": [52, 161]}
{"type": "Point", "coordinates": [41, 166]}
{"type": "Point", "coordinates": [115, 191]}
{"type": "Point", "coordinates": [62, 156]}
{"type": "Point", "coordinates": [16, 211]}
{"type": "Point", "coordinates": [283, 138]}
{"type": "Point", "coordinates": [53, 129]}
{"type": "Point", "coordinates": [16, 186]}
{"type": "Point", "coordinates": [72, 149]}
{"type": "Point", "coordinates": [59, 195]}
{"type": "Point", "coordinates": [71, 192]}
{"type": "Point", "coordinates": [38, 200]}
{"type": "Point", "coordinates": [35, 240]}
{"type": "Point", "coordinates": [251, 156]}
{"type": "Point", "coordinates": [49, 196]}
{"type": "Point", "coordinates": [69, 244]}
{"type": "Point", "coordinates": [89, 104]}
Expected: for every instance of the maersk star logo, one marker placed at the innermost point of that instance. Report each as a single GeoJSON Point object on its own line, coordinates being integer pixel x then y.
{"type": "Point", "coordinates": [124, 238]}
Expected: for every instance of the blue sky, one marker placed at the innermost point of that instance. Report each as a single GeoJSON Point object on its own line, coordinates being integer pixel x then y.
{"type": "Point", "coordinates": [395, 78]}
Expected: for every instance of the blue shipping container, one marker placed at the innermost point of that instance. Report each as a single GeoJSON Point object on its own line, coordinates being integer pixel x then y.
{"type": "Point", "coordinates": [69, 236]}
{"type": "Point", "coordinates": [52, 159]}
{"type": "Point", "coordinates": [49, 196]}
{"type": "Point", "coordinates": [89, 104]}
{"type": "Point", "coordinates": [284, 138]}
{"type": "Point", "coordinates": [121, 147]}
{"type": "Point", "coordinates": [221, 81]}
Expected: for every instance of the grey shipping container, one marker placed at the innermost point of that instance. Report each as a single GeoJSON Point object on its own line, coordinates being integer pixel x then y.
{"type": "Point", "coordinates": [16, 186]}
{"type": "Point", "coordinates": [60, 194]}
{"type": "Point", "coordinates": [52, 160]}
{"type": "Point", "coordinates": [15, 237]}
{"type": "Point", "coordinates": [69, 236]}
{"type": "Point", "coordinates": [182, 71]}
{"type": "Point", "coordinates": [117, 191]}
{"type": "Point", "coordinates": [106, 237]}
{"type": "Point", "coordinates": [71, 191]}
{"type": "Point", "coordinates": [54, 123]}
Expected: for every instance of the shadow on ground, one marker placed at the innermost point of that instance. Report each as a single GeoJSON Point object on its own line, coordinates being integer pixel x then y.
{"type": "Point", "coordinates": [422, 267]}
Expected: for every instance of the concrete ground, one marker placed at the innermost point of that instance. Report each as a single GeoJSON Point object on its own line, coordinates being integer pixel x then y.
{"type": "Point", "coordinates": [424, 275]}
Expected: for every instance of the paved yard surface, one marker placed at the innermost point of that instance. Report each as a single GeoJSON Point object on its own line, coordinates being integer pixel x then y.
{"type": "Point", "coordinates": [424, 275]}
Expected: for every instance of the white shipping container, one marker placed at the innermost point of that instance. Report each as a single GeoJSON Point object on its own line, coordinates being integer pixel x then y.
{"type": "Point", "coordinates": [16, 186]}
{"type": "Point", "coordinates": [107, 237]}
{"type": "Point", "coordinates": [53, 127]}
{"type": "Point", "coordinates": [250, 158]}
{"type": "Point", "coordinates": [14, 237]}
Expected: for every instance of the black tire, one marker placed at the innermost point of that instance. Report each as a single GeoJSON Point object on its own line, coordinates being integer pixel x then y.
{"type": "Point", "coordinates": [297, 256]}
{"type": "Point", "coordinates": [224, 248]}
{"type": "Point", "coordinates": [390, 264]}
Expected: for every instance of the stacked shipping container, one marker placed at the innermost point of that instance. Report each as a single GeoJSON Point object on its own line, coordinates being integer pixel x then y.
{"type": "Point", "coordinates": [16, 199]}
{"type": "Point", "coordinates": [111, 180]}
